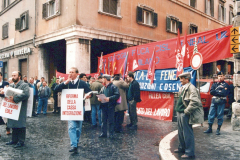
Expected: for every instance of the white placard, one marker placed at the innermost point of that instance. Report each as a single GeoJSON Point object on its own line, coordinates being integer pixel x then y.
{"type": "Point", "coordinates": [87, 105]}
{"type": "Point", "coordinates": [9, 109]}
{"type": "Point", "coordinates": [30, 103]}
{"type": "Point", "coordinates": [72, 104]}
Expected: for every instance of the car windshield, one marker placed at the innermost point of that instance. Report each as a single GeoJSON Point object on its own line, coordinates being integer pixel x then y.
{"type": "Point", "coordinates": [204, 86]}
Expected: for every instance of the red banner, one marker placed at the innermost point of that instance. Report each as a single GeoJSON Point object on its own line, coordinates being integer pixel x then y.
{"type": "Point", "coordinates": [61, 75]}
{"type": "Point", "coordinates": [157, 105]}
{"type": "Point", "coordinates": [213, 45]}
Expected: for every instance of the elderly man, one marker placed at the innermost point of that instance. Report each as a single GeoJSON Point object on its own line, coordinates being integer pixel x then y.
{"type": "Point", "coordinates": [219, 90]}
{"type": "Point", "coordinates": [189, 111]}
{"type": "Point", "coordinates": [19, 126]}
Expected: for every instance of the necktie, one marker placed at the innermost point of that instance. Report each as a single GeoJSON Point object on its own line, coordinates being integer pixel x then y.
{"type": "Point", "coordinates": [72, 82]}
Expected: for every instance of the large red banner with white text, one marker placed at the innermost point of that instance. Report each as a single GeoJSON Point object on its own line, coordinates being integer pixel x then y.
{"type": "Point", "coordinates": [157, 105]}
{"type": "Point", "coordinates": [213, 45]}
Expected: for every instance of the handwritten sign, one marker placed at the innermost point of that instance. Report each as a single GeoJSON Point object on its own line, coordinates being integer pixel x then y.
{"type": "Point", "coordinates": [72, 104]}
{"type": "Point", "coordinates": [9, 109]}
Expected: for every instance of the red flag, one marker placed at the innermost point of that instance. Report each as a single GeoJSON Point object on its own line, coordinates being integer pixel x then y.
{"type": "Point", "coordinates": [124, 67]}
{"type": "Point", "coordinates": [179, 57]}
{"type": "Point", "coordinates": [135, 61]}
{"type": "Point", "coordinates": [151, 68]}
{"type": "Point", "coordinates": [114, 69]}
{"type": "Point", "coordinates": [101, 63]}
{"type": "Point", "coordinates": [185, 52]}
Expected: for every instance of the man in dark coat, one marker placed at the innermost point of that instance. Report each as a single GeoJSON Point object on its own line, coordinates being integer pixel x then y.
{"type": "Point", "coordinates": [108, 109]}
{"type": "Point", "coordinates": [133, 96]}
{"type": "Point", "coordinates": [35, 95]}
{"type": "Point", "coordinates": [19, 126]}
{"type": "Point", "coordinates": [74, 127]}
{"type": "Point", "coordinates": [55, 96]}
{"type": "Point", "coordinates": [2, 85]}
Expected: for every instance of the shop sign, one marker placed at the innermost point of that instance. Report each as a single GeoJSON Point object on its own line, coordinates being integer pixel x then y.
{"type": "Point", "coordinates": [19, 52]}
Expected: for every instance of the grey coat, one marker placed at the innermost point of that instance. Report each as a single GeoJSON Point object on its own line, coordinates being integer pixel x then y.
{"type": "Point", "coordinates": [122, 87]}
{"type": "Point", "coordinates": [193, 104]}
{"type": "Point", "coordinates": [23, 112]}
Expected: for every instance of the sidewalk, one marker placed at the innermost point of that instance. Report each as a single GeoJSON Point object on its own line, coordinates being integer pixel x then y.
{"type": "Point", "coordinates": [207, 146]}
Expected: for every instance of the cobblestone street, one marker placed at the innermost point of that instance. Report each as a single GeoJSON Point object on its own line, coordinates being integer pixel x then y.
{"type": "Point", "coordinates": [47, 138]}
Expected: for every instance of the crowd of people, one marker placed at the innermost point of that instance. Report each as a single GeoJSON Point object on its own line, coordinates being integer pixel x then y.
{"type": "Point", "coordinates": [121, 95]}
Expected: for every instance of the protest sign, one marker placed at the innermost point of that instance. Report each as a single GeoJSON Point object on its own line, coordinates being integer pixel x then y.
{"type": "Point", "coordinates": [9, 109]}
{"type": "Point", "coordinates": [30, 103]}
{"type": "Point", "coordinates": [72, 104]}
{"type": "Point", "coordinates": [156, 105]}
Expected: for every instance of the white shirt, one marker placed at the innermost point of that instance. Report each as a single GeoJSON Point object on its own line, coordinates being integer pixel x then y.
{"type": "Point", "coordinates": [75, 81]}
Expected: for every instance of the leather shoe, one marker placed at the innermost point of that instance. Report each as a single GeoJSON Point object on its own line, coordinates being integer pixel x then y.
{"type": "Point", "coordinates": [11, 143]}
{"type": "Point", "coordinates": [187, 157]}
{"type": "Point", "coordinates": [18, 145]}
{"type": "Point", "coordinates": [179, 151]}
{"type": "Point", "coordinates": [102, 136]}
{"type": "Point", "coordinates": [209, 130]}
{"type": "Point", "coordinates": [73, 149]}
{"type": "Point", "coordinates": [133, 127]}
{"type": "Point", "coordinates": [218, 132]}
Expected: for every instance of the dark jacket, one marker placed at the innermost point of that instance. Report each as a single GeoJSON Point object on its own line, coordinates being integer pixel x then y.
{"type": "Point", "coordinates": [2, 86]}
{"type": "Point", "coordinates": [23, 112]}
{"type": "Point", "coordinates": [134, 88]}
{"type": "Point", "coordinates": [220, 89]}
{"type": "Point", "coordinates": [34, 86]}
{"type": "Point", "coordinates": [53, 89]}
{"type": "Point", "coordinates": [79, 85]}
{"type": "Point", "coordinates": [95, 86]}
{"type": "Point", "coordinates": [47, 92]}
{"type": "Point", "coordinates": [112, 92]}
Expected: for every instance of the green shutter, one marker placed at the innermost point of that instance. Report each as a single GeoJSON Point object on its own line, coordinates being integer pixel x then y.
{"type": "Point", "coordinates": [113, 7]}
{"type": "Point", "coordinates": [139, 14]}
{"type": "Point", "coordinates": [212, 8]}
{"type": "Point", "coordinates": [27, 20]}
{"type": "Point", "coordinates": [18, 24]}
{"type": "Point", "coordinates": [106, 6]}
{"type": "Point", "coordinates": [44, 10]}
{"type": "Point", "coordinates": [179, 25]}
{"type": "Point", "coordinates": [168, 23]}
{"type": "Point", "coordinates": [155, 19]}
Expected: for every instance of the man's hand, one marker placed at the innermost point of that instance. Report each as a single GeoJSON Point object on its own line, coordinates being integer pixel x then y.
{"type": "Point", "coordinates": [68, 80]}
{"type": "Point", "coordinates": [1, 91]}
{"type": "Point", "coordinates": [99, 100]}
{"type": "Point", "coordinates": [11, 98]}
{"type": "Point", "coordinates": [89, 96]}
{"type": "Point", "coordinates": [107, 99]}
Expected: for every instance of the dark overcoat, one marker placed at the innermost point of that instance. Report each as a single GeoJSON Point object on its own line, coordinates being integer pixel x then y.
{"type": "Point", "coordinates": [23, 112]}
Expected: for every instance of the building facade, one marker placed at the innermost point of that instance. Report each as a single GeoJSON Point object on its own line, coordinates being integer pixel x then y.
{"type": "Point", "coordinates": [42, 36]}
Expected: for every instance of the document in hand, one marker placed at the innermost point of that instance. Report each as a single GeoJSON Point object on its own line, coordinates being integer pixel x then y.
{"type": "Point", "coordinates": [12, 91]}
{"type": "Point", "coordinates": [102, 97]}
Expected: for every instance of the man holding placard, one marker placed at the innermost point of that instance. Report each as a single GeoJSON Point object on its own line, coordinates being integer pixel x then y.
{"type": "Point", "coordinates": [75, 117]}
{"type": "Point", "coordinates": [19, 126]}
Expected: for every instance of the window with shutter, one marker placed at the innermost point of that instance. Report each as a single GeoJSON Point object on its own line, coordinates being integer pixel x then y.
{"type": "Point", "coordinates": [193, 3]}
{"type": "Point", "coordinates": [193, 29]}
{"type": "Point", "coordinates": [17, 24]}
{"type": "Point", "coordinates": [5, 31]}
{"type": "Point", "coordinates": [110, 6]}
{"type": "Point", "coordinates": [212, 7]}
{"type": "Point", "coordinates": [21, 23]}
{"type": "Point", "coordinates": [51, 9]}
{"type": "Point", "coordinates": [173, 24]}
{"type": "Point", "coordinates": [221, 11]}
{"type": "Point", "coordinates": [230, 15]}
{"type": "Point", "coordinates": [147, 16]}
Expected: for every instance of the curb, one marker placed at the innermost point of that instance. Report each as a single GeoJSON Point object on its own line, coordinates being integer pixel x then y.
{"type": "Point", "coordinates": [164, 145]}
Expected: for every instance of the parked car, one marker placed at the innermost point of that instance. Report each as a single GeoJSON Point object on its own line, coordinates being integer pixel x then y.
{"type": "Point", "coordinates": [206, 97]}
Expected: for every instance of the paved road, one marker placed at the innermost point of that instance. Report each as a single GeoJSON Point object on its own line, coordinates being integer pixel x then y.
{"type": "Point", "coordinates": [47, 138]}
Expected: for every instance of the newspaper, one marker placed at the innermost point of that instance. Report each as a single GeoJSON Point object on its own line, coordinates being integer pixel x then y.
{"type": "Point", "coordinates": [87, 94]}
{"type": "Point", "coordinates": [11, 91]}
{"type": "Point", "coordinates": [102, 97]}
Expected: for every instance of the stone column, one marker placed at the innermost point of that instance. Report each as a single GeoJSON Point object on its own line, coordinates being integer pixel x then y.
{"type": "Point", "coordinates": [214, 68]}
{"type": "Point", "coordinates": [78, 52]}
{"type": "Point", "coordinates": [235, 121]}
{"type": "Point", "coordinates": [43, 63]}
{"type": "Point", "coordinates": [225, 67]}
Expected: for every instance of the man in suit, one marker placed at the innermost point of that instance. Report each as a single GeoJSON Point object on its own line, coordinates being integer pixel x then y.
{"type": "Point", "coordinates": [2, 85]}
{"type": "Point", "coordinates": [74, 127]}
{"type": "Point", "coordinates": [35, 94]}
{"type": "Point", "coordinates": [19, 126]}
